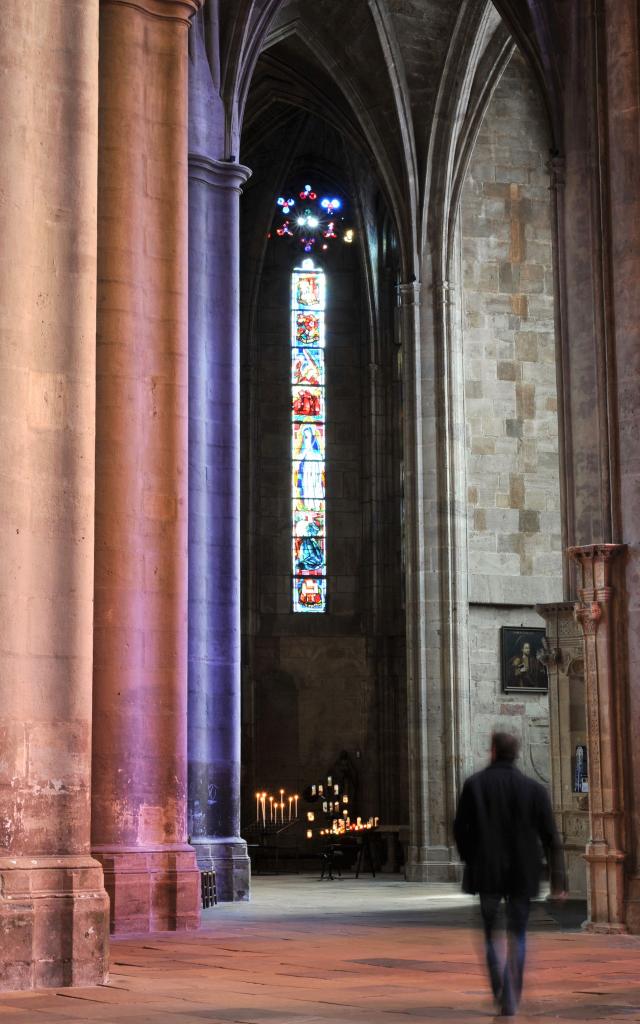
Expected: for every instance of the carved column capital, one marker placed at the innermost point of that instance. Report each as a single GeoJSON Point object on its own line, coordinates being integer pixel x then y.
{"type": "Point", "coordinates": [225, 174]}
{"type": "Point", "coordinates": [588, 615]}
{"type": "Point", "coordinates": [443, 291]}
{"type": "Point", "coordinates": [594, 562]}
{"type": "Point", "coordinates": [409, 293]}
{"type": "Point", "coordinates": [169, 10]}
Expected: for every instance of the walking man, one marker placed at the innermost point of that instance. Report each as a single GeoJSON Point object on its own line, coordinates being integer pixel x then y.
{"type": "Point", "coordinates": [503, 820]}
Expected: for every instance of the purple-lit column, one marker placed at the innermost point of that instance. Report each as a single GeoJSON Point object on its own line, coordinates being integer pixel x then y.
{"type": "Point", "coordinates": [139, 776]}
{"type": "Point", "coordinates": [214, 523]}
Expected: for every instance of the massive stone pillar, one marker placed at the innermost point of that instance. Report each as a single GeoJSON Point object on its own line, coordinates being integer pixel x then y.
{"type": "Point", "coordinates": [620, 99]}
{"type": "Point", "coordinates": [53, 907]}
{"type": "Point", "coordinates": [214, 523]}
{"type": "Point", "coordinates": [140, 642]}
{"type": "Point", "coordinates": [606, 729]}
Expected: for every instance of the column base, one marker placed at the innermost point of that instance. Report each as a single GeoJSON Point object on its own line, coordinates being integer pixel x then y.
{"type": "Point", "coordinates": [605, 889]}
{"type": "Point", "coordinates": [432, 864]}
{"type": "Point", "coordinates": [604, 928]}
{"type": "Point", "coordinates": [54, 922]}
{"type": "Point", "coordinates": [632, 904]}
{"type": "Point", "coordinates": [229, 859]}
{"type": "Point", "coordinates": [151, 890]}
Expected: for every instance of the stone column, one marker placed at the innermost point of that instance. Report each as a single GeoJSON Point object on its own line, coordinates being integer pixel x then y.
{"type": "Point", "coordinates": [420, 852]}
{"type": "Point", "coordinates": [53, 907]}
{"type": "Point", "coordinates": [606, 728]}
{"type": "Point", "coordinates": [214, 523]}
{"type": "Point", "coordinates": [140, 639]}
{"type": "Point", "coordinates": [436, 723]}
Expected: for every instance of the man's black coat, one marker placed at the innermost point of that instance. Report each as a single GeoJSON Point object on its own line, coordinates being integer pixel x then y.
{"type": "Point", "coordinates": [503, 822]}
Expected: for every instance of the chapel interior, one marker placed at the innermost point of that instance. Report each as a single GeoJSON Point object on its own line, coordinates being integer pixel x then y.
{"type": "Point", "coordinates": [300, 502]}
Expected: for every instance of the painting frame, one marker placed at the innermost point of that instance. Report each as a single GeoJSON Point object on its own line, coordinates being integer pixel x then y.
{"type": "Point", "coordinates": [521, 669]}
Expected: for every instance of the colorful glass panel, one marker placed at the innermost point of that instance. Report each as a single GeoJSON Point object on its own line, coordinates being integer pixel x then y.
{"type": "Point", "coordinates": [308, 328]}
{"type": "Point", "coordinates": [307, 404]}
{"type": "Point", "coordinates": [309, 556]}
{"type": "Point", "coordinates": [308, 479]}
{"type": "Point", "coordinates": [307, 441]}
{"type": "Point", "coordinates": [307, 366]}
{"type": "Point", "coordinates": [309, 291]}
{"type": "Point", "coordinates": [309, 594]}
{"type": "Point", "coordinates": [308, 518]}
{"type": "Point", "coordinates": [308, 540]}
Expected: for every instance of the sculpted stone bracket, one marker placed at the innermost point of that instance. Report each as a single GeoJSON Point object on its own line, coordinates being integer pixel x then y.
{"type": "Point", "coordinates": [595, 613]}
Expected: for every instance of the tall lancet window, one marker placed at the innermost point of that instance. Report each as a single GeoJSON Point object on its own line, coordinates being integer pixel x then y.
{"type": "Point", "coordinates": [309, 518]}
{"type": "Point", "coordinates": [312, 223]}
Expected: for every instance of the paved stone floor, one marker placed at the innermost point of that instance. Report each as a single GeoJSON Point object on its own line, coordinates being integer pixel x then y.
{"type": "Point", "coordinates": [371, 951]}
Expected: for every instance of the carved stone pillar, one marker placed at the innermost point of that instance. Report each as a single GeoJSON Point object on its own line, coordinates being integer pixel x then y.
{"type": "Point", "coordinates": [53, 906]}
{"type": "Point", "coordinates": [606, 727]}
{"type": "Point", "coordinates": [567, 731]}
{"type": "Point", "coordinates": [140, 636]}
{"type": "Point", "coordinates": [214, 522]}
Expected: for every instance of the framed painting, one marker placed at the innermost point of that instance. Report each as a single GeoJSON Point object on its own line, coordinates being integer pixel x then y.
{"type": "Point", "coordinates": [520, 651]}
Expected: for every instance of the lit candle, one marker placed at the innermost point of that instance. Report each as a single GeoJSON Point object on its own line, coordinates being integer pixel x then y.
{"type": "Point", "coordinates": [320, 789]}
{"type": "Point", "coordinates": [345, 799]}
{"type": "Point", "coordinates": [263, 801]}
{"type": "Point", "coordinates": [290, 802]}
{"type": "Point", "coordinates": [324, 806]}
{"type": "Point", "coordinates": [295, 805]}
{"type": "Point", "coordinates": [313, 790]}
{"type": "Point", "coordinates": [257, 806]}
{"type": "Point", "coordinates": [311, 816]}
{"type": "Point", "coordinates": [282, 812]}
{"type": "Point", "coordinates": [336, 788]}
{"type": "Point", "coordinates": [309, 834]}
{"type": "Point", "coordinates": [271, 809]}
{"type": "Point", "coordinates": [329, 780]}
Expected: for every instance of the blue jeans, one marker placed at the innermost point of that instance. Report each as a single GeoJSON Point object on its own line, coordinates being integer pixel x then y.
{"type": "Point", "coordinates": [506, 982]}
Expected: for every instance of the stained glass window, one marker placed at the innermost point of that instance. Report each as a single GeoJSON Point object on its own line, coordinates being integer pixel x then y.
{"type": "Point", "coordinates": [309, 534]}
{"type": "Point", "coordinates": [311, 221]}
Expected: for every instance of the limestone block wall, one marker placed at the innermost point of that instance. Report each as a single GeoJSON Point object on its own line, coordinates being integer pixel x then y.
{"type": "Point", "coordinates": [510, 400]}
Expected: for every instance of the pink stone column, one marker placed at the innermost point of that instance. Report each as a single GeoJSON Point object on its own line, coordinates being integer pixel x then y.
{"type": "Point", "coordinates": [606, 730]}
{"type": "Point", "coordinates": [140, 639]}
{"type": "Point", "coordinates": [53, 907]}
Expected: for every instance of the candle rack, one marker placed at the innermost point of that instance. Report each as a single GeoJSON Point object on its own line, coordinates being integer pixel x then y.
{"type": "Point", "coordinates": [276, 815]}
{"type": "Point", "coordinates": [339, 827]}
{"type": "Point", "coordinates": [263, 843]}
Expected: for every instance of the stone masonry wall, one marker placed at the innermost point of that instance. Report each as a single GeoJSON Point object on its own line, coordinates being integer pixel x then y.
{"type": "Point", "coordinates": [509, 360]}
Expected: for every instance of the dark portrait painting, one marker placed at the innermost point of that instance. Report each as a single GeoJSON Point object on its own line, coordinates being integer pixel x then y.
{"type": "Point", "coordinates": [520, 650]}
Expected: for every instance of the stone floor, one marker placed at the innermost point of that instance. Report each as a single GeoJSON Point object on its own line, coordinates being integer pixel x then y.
{"type": "Point", "coordinates": [371, 951]}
